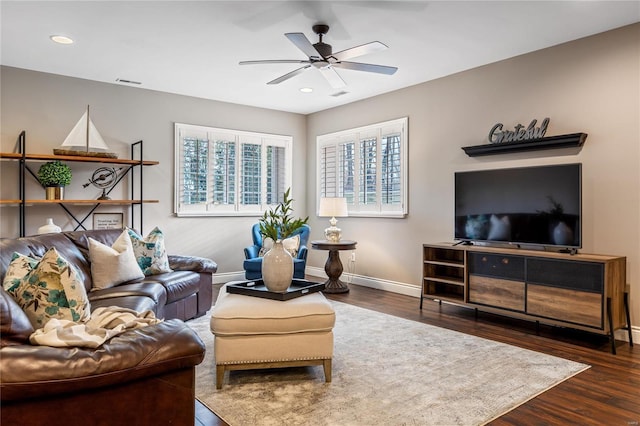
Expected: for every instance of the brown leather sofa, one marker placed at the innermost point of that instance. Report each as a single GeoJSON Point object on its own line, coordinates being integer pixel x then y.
{"type": "Point", "coordinates": [144, 376]}
{"type": "Point", "coordinates": [184, 293]}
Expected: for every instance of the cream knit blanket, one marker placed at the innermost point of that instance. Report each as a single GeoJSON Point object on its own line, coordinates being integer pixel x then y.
{"type": "Point", "coordinates": [103, 324]}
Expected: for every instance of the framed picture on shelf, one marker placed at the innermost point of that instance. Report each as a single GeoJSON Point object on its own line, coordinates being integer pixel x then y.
{"type": "Point", "coordinates": [108, 220]}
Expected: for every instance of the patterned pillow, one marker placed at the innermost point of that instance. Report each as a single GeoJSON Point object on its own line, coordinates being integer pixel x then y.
{"type": "Point", "coordinates": [291, 244]}
{"type": "Point", "coordinates": [150, 252]}
{"type": "Point", "coordinates": [52, 289]}
{"type": "Point", "coordinates": [113, 265]}
{"type": "Point", "coordinates": [20, 266]}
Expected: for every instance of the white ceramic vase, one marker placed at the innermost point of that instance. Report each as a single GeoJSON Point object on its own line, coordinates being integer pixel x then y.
{"type": "Point", "coordinates": [49, 227]}
{"type": "Point", "coordinates": [277, 268]}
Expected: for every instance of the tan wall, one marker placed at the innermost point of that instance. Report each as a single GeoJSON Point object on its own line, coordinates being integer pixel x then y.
{"type": "Point", "coordinates": [590, 85]}
{"type": "Point", "coordinates": [47, 106]}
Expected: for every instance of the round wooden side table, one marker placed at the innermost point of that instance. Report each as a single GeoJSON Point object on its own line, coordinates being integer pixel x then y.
{"type": "Point", "coordinates": [333, 267]}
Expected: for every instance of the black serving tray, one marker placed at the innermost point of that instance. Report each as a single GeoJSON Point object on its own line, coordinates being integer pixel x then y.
{"type": "Point", "coordinates": [257, 288]}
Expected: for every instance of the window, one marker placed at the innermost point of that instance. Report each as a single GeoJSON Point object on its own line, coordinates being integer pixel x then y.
{"type": "Point", "coordinates": [367, 166]}
{"type": "Point", "coordinates": [229, 172]}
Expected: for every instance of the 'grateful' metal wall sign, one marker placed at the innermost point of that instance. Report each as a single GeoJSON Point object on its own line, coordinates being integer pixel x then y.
{"type": "Point", "coordinates": [519, 133]}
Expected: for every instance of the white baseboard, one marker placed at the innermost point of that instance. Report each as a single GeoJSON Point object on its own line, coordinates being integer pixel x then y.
{"type": "Point", "coordinates": [624, 335]}
{"type": "Point", "coordinates": [392, 286]}
{"type": "Point", "coordinates": [221, 278]}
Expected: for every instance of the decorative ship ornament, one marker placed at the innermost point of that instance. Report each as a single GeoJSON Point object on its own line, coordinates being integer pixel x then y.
{"type": "Point", "coordinates": [85, 140]}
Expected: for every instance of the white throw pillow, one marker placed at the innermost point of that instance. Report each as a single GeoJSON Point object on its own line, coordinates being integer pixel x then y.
{"type": "Point", "coordinates": [500, 229]}
{"type": "Point", "coordinates": [113, 265]}
{"type": "Point", "coordinates": [291, 244]}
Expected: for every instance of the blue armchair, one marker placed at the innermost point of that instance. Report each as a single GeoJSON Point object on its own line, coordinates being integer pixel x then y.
{"type": "Point", "coordinates": [253, 261]}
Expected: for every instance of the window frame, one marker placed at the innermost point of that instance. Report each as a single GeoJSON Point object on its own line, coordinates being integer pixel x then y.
{"type": "Point", "coordinates": [330, 169]}
{"type": "Point", "coordinates": [238, 137]}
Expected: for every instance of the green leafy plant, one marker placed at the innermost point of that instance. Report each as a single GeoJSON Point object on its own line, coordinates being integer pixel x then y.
{"type": "Point", "coordinates": [278, 222]}
{"type": "Point", "coordinates": [54, 173]}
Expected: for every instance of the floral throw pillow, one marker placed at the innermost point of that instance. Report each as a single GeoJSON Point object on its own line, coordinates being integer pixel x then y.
{"type": "Point", "coordinates": [150, 252]}
{"type": "Point", "coordinates": [52, 289]}
{"type": "Point", "coordinates": [20, 266]}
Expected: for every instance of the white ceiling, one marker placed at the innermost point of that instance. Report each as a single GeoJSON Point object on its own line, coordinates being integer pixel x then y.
{"type": "Point", "coordinates": [193, 48]}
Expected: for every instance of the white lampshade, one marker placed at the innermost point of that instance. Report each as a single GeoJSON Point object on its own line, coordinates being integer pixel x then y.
{"type": "Point", "coordinates": [332, 207]}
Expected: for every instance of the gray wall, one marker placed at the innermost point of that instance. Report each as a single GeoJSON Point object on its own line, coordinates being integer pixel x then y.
{"type": "Point", "coordinates": [590, 85]}
{"type": "Point", "coordinates": [47, 106]}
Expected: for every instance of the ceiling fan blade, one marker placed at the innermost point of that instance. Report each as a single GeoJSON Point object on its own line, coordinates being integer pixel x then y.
{"type": "Point", "coordinates": [363, 49]}
{"type": "Point", "coordinates": [332, 77]}
{"type": "Point", "coordinates": [303, 43]}
{"type": "Point", "coordinates": [275, 61]}
{"type": "Point", "coordinates": [357, 66]}
{"type": "Point", "coordinates": [289, 75]}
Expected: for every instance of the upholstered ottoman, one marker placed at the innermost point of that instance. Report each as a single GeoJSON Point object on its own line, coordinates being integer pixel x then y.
{"type": "Point", "coordinates": [251, 332]}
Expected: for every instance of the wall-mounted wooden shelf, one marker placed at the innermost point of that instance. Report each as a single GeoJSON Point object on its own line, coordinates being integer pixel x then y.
{"type": "Point", "coordinates": [129, 165]}
{"type": "Point", "coordinates": [78, 159]}
{"type": "Point", "coordinates": [79, 202]}
{"type": "Point", "coordinates": [574, 140]}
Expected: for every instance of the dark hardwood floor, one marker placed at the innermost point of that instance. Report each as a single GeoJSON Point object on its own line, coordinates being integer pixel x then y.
{"type": "Point", "coordinates": [606, 394]}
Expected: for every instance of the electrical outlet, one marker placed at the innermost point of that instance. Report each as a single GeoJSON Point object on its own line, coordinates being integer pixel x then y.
{"type": "Point", "coordinates": [353, 256]}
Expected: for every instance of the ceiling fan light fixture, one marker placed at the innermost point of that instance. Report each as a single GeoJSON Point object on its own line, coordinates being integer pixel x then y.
{"type": "Point", "coordinates": [60, 39]}
{"type": "Point", "coordinates": [321, 57]}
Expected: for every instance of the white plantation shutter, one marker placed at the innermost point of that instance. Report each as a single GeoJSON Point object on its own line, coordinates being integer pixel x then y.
{"type": "Point", "coordinates": [223, 173]}
{"type": "Point", "coordinates": [276, 182]}
{"type": "Point", "coordinates": [226, 172]}
{"type": "Point", "coordinates": [191, 181]}
{"type": "Point", "coordinates": [368, 167]}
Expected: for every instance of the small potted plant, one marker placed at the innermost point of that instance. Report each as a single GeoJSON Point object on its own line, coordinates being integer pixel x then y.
{"type": "Point", "coordinates": [277, 263]}
{"type": "Point", "coordinates": [54, 176]}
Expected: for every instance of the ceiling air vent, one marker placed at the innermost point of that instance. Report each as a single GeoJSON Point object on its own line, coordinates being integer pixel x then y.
{"type": "Point", "coordinates": [122, 80]}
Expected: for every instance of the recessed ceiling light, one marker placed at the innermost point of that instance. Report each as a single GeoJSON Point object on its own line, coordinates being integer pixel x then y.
{"type": "Point", "coordinates": [306, 90]}
{"type": "Point", "coordinates": [61, 39]}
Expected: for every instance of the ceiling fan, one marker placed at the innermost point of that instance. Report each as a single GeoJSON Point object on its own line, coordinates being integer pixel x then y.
{"type": "Point", "coordinates": [321, 57]}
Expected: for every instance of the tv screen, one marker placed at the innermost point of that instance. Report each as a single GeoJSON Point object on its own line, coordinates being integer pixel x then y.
{"type": "Point", "coordinates": [528, 205]}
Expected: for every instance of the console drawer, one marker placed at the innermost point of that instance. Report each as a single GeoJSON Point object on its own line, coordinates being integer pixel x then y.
{"type": "Point", "coordinates": [569, 274]}
{"type": "Point", "coordinates": [497, 265]}
{"type": "Point", "coordinates": [578, 307]}
{"type": "Point", "coordinates": [496, 292]}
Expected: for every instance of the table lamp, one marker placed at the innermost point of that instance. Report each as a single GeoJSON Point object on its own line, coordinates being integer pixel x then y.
{"type": "Point", "coordinates": [333, 207]}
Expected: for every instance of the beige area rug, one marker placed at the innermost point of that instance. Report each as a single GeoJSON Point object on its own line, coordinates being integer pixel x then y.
{"type": "Point", "coordinates": [386, 371]}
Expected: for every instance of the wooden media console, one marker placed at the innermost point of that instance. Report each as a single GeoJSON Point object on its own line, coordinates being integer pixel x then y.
{"type": "Point", "coordinates": [581, 291]}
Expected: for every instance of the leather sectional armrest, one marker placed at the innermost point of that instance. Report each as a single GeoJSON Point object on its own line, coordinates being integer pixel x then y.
{"type": "Point", "coordinates": [29, 371]}
{"type": "Point", "coordinates": [192, 263]}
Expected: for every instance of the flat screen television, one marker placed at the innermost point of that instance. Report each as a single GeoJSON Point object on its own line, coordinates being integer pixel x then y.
{"type": "Point", "coordinates": [538, 205]}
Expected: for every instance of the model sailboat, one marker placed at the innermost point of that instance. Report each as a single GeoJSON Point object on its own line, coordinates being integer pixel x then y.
{"type": "Point", "coordinates": [85, 140]}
